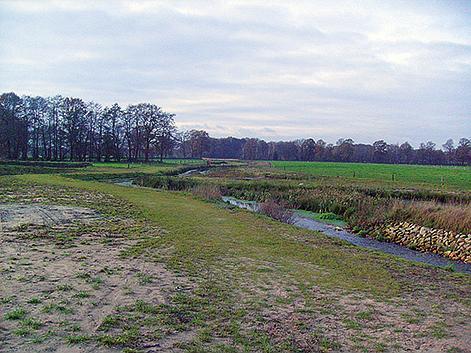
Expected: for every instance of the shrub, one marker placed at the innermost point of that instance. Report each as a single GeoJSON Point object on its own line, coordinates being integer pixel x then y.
{"type": "Point", "coordinates": [276, 211]}
{"type": "Point", "coordinates": [167, 183]}
{"type": "Point", "coordinates": [207, 191]}
{"type": "Point", "coordinates": [452, 216]}
{"type": "Point", "coordinates": [330, 216]}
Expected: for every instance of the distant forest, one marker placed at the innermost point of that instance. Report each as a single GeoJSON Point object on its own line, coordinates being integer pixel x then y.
{"type": "Point", "coordinates": [62, 128]}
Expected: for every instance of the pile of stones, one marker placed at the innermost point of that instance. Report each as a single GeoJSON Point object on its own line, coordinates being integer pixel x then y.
{"type": "Point", "coordinates": [456, 246]}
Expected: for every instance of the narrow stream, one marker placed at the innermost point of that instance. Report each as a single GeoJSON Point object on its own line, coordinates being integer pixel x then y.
{"type": "Point", "coordinates": [335, 232]}
{"type": "Point", "coordinates": [191, 172]}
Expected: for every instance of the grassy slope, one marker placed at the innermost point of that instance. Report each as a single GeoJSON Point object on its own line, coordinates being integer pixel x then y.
{"type": "Point", "coordinates": [233, 251]}
{"type": "Point", "coordinates": [31, 167]}
{"type": "Point", "coordinates": [202, 234]}
{"type": "Point", "coordinates": [454, 177]}
{"type": "Point", "coordinates": [102, 168]}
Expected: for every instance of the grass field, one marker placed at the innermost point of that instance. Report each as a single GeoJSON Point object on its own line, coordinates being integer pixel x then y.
{"type": "Point", "coordinates": [167, 269]}
{"type": "Point", "coordinates": [454, 177]}
{"type": "Point", "coordinates": [172, 161]}
{"type": "Point", "coordinates": [7, 168]}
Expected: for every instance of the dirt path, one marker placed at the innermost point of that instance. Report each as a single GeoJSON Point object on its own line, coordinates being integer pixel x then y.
{"type": "Point", "coordinates": [63, 281]}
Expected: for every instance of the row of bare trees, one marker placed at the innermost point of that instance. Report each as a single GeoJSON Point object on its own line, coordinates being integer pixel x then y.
{"type": "Point", "coordinates": [345, 150]}
{"type": "Point", "coordinates": [59, 128]}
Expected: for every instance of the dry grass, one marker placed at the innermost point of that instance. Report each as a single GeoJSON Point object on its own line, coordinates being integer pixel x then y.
{"type": "Point", "coordinates": [276, 211]}
{"type": "Point", "coordinates": [207, 191]}
{"type": "Point", "coordinates": [455, 217]}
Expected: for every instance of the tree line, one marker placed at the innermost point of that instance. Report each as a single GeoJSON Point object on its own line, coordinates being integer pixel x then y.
{"type": "Point", "coordinates": [65, 128]}
{"type": "Point", "coordinates": [62, 128]}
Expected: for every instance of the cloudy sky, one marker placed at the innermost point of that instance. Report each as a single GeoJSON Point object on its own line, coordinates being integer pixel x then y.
{"type": "Point", "coordinates": [398, 70]}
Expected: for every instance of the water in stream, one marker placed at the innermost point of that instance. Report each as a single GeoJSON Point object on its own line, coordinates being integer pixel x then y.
{"type": "Point", "coordinates": [192, 172]}
{"type": "Point", "coordinates": [335, 232]}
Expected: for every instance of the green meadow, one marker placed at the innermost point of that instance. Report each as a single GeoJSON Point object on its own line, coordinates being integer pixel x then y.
{"type": "Point", "coordinates": [453, 177]}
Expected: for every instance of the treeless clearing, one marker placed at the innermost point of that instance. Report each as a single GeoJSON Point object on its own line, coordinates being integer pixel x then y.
{"type": "Point", "coordinates": [208, 279]}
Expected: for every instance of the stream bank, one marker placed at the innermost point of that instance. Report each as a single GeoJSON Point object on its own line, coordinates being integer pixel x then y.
{"type": "Point", "coordinates": [368, 243]}
{"type": "Point", "coordinates": [336, 232]}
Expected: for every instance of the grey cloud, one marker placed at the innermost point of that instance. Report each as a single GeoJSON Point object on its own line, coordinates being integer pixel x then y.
{"type": "Point", "coordinates": [239, 68]}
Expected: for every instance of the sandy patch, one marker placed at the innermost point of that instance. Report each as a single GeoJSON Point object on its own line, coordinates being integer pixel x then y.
{"type": "Point", "coordinates": [69, 278]}
{"type": "Point", "coordinates": [14, 215]}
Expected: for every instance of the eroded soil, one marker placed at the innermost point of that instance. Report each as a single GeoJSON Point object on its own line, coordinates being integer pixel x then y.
{"type": "Point", "coordinates": [64, 283]}
{"type": "Point", "coordinates": [16, 216]}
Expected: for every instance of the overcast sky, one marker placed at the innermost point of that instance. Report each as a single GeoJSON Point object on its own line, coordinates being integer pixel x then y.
{"type": "Point", "coordinates": [398, 70]}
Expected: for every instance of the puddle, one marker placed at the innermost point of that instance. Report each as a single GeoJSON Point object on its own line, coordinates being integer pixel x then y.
{"type": "Point", "coordinates": [123, 182]}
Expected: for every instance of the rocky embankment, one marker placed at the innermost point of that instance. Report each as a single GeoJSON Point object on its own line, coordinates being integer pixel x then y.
{"type": "Point", "coordinates": [456, 246]}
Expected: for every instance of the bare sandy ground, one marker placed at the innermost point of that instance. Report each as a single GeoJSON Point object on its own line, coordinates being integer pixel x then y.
{"type": "Point", "coordinates": [65, 286]}
{"type": "Point", "coordinates": [14, 216]}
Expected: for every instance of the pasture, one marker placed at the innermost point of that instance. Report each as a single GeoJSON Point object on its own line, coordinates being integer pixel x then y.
{"type": "Point", "coordinates": [451, 177]}
{"type": "Point", "coordinates": [171, 161]}
{"type": "Point", "coordinates": [46, 167]}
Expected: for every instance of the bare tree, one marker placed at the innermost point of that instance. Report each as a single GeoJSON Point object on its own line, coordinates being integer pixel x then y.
{"type": "Point", "coordinates": [73, 112]}
{"type": "Point", "coordinates": [165, 134]}
{"type": "Point", "coordinates": [199, 143]}
{"type": "Point", "coordinates": [308, 148]}
{"type": "Point", "coordinates": [57, 128]}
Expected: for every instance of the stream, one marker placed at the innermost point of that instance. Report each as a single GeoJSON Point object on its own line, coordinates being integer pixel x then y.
{"type": "Point", "coordinates": [373, 244]}
{"type": "Point", "coordinates": [335, 232]}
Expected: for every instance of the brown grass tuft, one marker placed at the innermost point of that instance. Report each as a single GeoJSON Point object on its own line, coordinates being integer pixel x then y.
{"type": "Point", "coordinates": [452, 216]}
{"type": "Point", "coordinates": [207, 191]}
{"type": "Point", "coordinates": [274, 210]}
